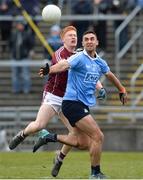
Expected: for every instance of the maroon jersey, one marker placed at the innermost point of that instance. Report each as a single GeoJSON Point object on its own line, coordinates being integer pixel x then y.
{"type": "Point", "coordinates": [56, 83]}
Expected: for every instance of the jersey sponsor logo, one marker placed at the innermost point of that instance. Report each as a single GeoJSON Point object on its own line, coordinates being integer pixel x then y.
{"type": "Point", "coordinates": [91, 77]}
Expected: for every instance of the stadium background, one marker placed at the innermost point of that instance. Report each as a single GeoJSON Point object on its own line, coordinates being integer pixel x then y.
{"type": "Point", "coordinates": [122, 126]}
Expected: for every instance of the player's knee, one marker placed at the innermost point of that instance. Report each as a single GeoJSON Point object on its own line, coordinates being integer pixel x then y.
{"type": "Point", "coordinates": [77, 143]}
{"type": "Point", "coordinates": [82, 146]}
{"type": "Point", "coordinates": [102, 137]}
{"type": "Point", "coordinates": [98, 137]}
{"type": "Point", "coordinates": [83, 143]}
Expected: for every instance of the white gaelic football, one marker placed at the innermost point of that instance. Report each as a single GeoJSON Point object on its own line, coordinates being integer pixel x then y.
{"type": "Point", "coordinates": [51, 13]}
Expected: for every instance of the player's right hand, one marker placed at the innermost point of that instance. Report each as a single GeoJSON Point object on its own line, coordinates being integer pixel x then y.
{"type": "Point", "coordinates": [123, 96]}
{"type": "Point", "coordinates": [44, 70]}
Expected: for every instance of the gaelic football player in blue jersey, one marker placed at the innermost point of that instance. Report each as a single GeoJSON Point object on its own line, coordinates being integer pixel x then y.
{"type": "Point", "coordinates": [85, 69]}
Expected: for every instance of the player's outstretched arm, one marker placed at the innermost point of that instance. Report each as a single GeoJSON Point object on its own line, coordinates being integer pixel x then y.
{"type": "Point", "coordinates": [62, 65]}
{"type": "Point", "coordinates": [119, 86]}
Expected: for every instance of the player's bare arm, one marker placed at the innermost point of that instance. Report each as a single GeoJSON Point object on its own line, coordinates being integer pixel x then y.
{"type": "Point", "coordinates": [115, 81]}
{"type": "Point", "coordinates": [120, 87]}
{"type": "Point", "coordinates": [62, 65]}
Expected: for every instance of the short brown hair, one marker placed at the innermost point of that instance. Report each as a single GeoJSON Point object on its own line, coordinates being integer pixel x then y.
{"type": "Point", "coordinates": [66, 29]}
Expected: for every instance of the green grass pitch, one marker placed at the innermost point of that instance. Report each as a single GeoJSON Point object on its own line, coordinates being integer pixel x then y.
{"type": "Point", "coordinates": [116, 165]}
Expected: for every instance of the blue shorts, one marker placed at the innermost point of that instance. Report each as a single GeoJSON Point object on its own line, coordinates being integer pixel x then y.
{"type": "Point", "coordinates": [74, 111]}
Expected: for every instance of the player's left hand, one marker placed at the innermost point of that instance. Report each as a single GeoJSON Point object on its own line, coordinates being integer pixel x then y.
{"type": "Point", "coordinates": [102, 94]}
{"type": "Point", "coordinates": [44, 70]}
{"type": "Point", "coordinates": [123, 96]}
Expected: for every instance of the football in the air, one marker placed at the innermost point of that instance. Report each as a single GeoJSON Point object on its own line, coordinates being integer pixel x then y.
{"type": "Point", "coordinates": [51, 13]}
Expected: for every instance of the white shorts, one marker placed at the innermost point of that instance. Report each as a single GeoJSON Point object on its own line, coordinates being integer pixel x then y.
{"type": "Point", "coordinates": [54, 101]}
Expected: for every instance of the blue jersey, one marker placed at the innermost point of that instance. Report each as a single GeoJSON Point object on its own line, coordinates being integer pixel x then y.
{"type": "Point", "coordinates": [83, 75]}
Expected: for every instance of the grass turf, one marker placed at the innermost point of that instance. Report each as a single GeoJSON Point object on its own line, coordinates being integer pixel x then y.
{"type": "Point", "coordinates": [115, 165]}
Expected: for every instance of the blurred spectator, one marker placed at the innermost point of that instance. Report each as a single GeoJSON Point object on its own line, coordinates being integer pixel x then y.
{"type": "Point", "coordinates": [53, 40]}
{"type": "Point", "coordinates": [21, 45]}
{"type": "Point", "coordinates": [100, 27]}
{"type": "Point", "coordinates": [31, 6]}
{"type": "Point", "coordinates": [45, 2]}
{"type": "Point", "coordinates": [81, 7]}
{"type": "Point", "coordinates": [140, 3]}
{"type": "Point", "coordinates": [121, 7]}
{"type": "Point", "coordinates": [6, 8]}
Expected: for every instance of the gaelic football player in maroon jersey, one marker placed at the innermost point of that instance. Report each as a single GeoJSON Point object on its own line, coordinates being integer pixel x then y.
{"type": "Point", "coordinates": [52, 98]}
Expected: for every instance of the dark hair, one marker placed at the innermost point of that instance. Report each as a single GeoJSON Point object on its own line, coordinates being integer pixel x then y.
{"type": "Point", "coordinates": [88, 32]}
